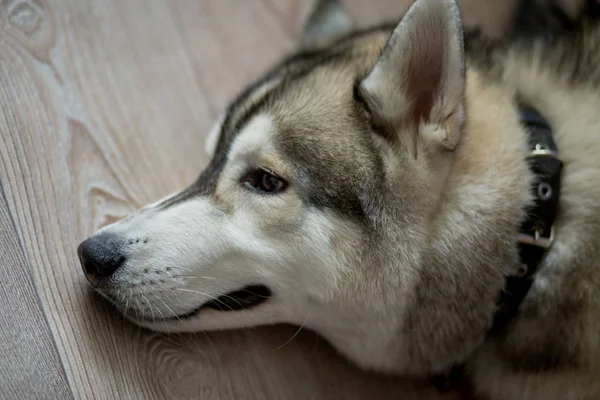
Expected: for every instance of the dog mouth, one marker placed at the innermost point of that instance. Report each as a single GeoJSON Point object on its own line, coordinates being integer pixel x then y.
{"type": "Point", "coordinates": [237, 300]}
{"type": "Point", "coordinates": [242, 299]}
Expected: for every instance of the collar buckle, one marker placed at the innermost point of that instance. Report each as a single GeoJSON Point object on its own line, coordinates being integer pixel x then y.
{"type": "Point", "coordinates": [542, 151]}
{"type": "Point", "coordinates": [537, 239]}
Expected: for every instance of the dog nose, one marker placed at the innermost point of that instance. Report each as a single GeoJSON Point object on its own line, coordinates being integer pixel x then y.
{"type": "Point", "coordinates": [101, 256]}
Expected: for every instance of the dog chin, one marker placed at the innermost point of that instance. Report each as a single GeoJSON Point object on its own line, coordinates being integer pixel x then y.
{"type": "Point", "coordinates": [163, 326]}
{"type": "Point", "coordinates": [206, 319]}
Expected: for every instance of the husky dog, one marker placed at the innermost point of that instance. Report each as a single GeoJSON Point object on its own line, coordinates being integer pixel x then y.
{"type": "Point", "coordinates": [373, 187]}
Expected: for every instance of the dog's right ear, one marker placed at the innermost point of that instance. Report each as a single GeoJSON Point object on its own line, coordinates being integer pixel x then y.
{"type": "Point", "coordinates": [415, 90]}
{"type": "Point", "coordinates": [326, 22]}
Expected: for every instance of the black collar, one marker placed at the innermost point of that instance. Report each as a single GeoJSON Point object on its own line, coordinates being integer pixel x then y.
{"type": "Point", "coordinates": [537, 230]}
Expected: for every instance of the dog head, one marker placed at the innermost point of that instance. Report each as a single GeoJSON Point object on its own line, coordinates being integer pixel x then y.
{"type": "Point", "coordinates": [326, 204]}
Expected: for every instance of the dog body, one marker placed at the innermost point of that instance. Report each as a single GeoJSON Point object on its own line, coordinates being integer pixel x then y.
{"type": "Point", "coordinates": [551, 349]}
{"type": "Point", "coordinates": [373, 187]}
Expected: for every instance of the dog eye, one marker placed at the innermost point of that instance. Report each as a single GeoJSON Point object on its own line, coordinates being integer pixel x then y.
{"type": "Point", "coordinates": [264, 181]}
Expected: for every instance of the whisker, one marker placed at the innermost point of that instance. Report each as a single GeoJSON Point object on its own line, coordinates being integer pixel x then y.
{"type": "Point", "coordinates": [184, 270]}
{"type": "Point", "coordinates": [162, 315]}
{"type": "Point", "coordinates": [127, 301]}
{"type": "Point", "coordinates": [180, 301]}
{"type": "Point", "coordinates": [194, 277]}
{"type": "Point", "coordinates": [168, 308]}
{"type": "Point", "coordinates": [207, 295]}
{"type": "Point", "coordinates": [295, 334]}
{"type": "Point", "coordinates": [137, 306]}
{"type": "Point", "coordinates": [234, 299]}
{"type": "Point", "coordinates": [177, 268]}
{"type": "Point", "coordinates": [126, 306]}
{"type": "Point", "coordinates": [258, 295]}
{"type": "Point", "coordinates": [122, 295]}
{"type": "Point", "coordinates": [149, 305]}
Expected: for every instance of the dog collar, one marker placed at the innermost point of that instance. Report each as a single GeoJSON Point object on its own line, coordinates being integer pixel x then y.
{"type": "Point", "coordinates": [536, 234]}
{"type": "Point", "coordinates": [537, 230]}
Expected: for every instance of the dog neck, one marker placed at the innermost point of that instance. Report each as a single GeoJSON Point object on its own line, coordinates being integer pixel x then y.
{"type": "Point", "coordinates": [536, 234]}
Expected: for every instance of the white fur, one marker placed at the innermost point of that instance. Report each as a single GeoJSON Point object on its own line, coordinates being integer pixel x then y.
{"type": "Point", "coordinates": [197, 250]}
{"type": "Point", "coordinates": [255, 139]}
{"type": "Point", "coordinates": [197, 238]}
{"type": "Point", "coordinates": [210, 144]}
{"type": "Point", "coordinates": [160, 201]}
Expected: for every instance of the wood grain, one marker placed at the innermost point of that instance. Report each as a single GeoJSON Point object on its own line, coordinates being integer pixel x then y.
{"type": "Point", "coordinates": [105, 107]}
{"type": "Point", "coordinates": [30, 366]}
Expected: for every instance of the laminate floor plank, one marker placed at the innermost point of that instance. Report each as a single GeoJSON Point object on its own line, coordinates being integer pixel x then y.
{"type": "Point", "coordinates": [30, 367]}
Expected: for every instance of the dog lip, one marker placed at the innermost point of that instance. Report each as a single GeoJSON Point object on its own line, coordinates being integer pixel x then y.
{"type": "Point", "coordinates": [247, 297]}
{"type": "Point", "coordinates": [241, 299]}
{"type": "Point", "coordinates": [238, 300]}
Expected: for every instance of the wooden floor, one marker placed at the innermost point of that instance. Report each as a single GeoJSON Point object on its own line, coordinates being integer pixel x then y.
{"type": "Point", "coordinates": [104, 106]}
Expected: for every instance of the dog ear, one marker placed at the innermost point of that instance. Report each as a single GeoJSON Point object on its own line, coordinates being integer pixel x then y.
{"type": "Point", "coordinates": [415, 90]}
{"type": "Point", "coordinates": [326, 22]}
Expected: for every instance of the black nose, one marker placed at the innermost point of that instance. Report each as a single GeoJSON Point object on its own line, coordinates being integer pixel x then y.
{"type": "Point", "coordinates": [101, 255]}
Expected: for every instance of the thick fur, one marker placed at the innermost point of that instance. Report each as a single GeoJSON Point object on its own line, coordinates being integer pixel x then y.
{"type": "Point", "coordinates": [408, 178]}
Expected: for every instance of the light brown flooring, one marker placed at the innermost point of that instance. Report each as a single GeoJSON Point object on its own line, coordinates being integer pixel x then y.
{"type": "Point", "coordinates": [104, 106]}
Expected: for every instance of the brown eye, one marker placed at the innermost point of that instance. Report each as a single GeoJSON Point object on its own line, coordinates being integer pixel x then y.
{"type": "Point", "coordinates": [264, 181]}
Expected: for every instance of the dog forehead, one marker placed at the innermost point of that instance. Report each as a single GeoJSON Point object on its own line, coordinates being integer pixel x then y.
{"type": "Point", "coordinates": [312, 85]}
{"type": "Point", "coordinates": [312, 121]}
{"type": "Point", "coordinates": [319, 123]}
{"type": "Point", "coordinates": [324, 135]}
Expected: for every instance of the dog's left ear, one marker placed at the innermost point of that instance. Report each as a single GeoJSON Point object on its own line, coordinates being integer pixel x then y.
{"type": "Point", "coordinates": [415, 90]}
{"type": "Point", "coordinates": [326, 22]}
